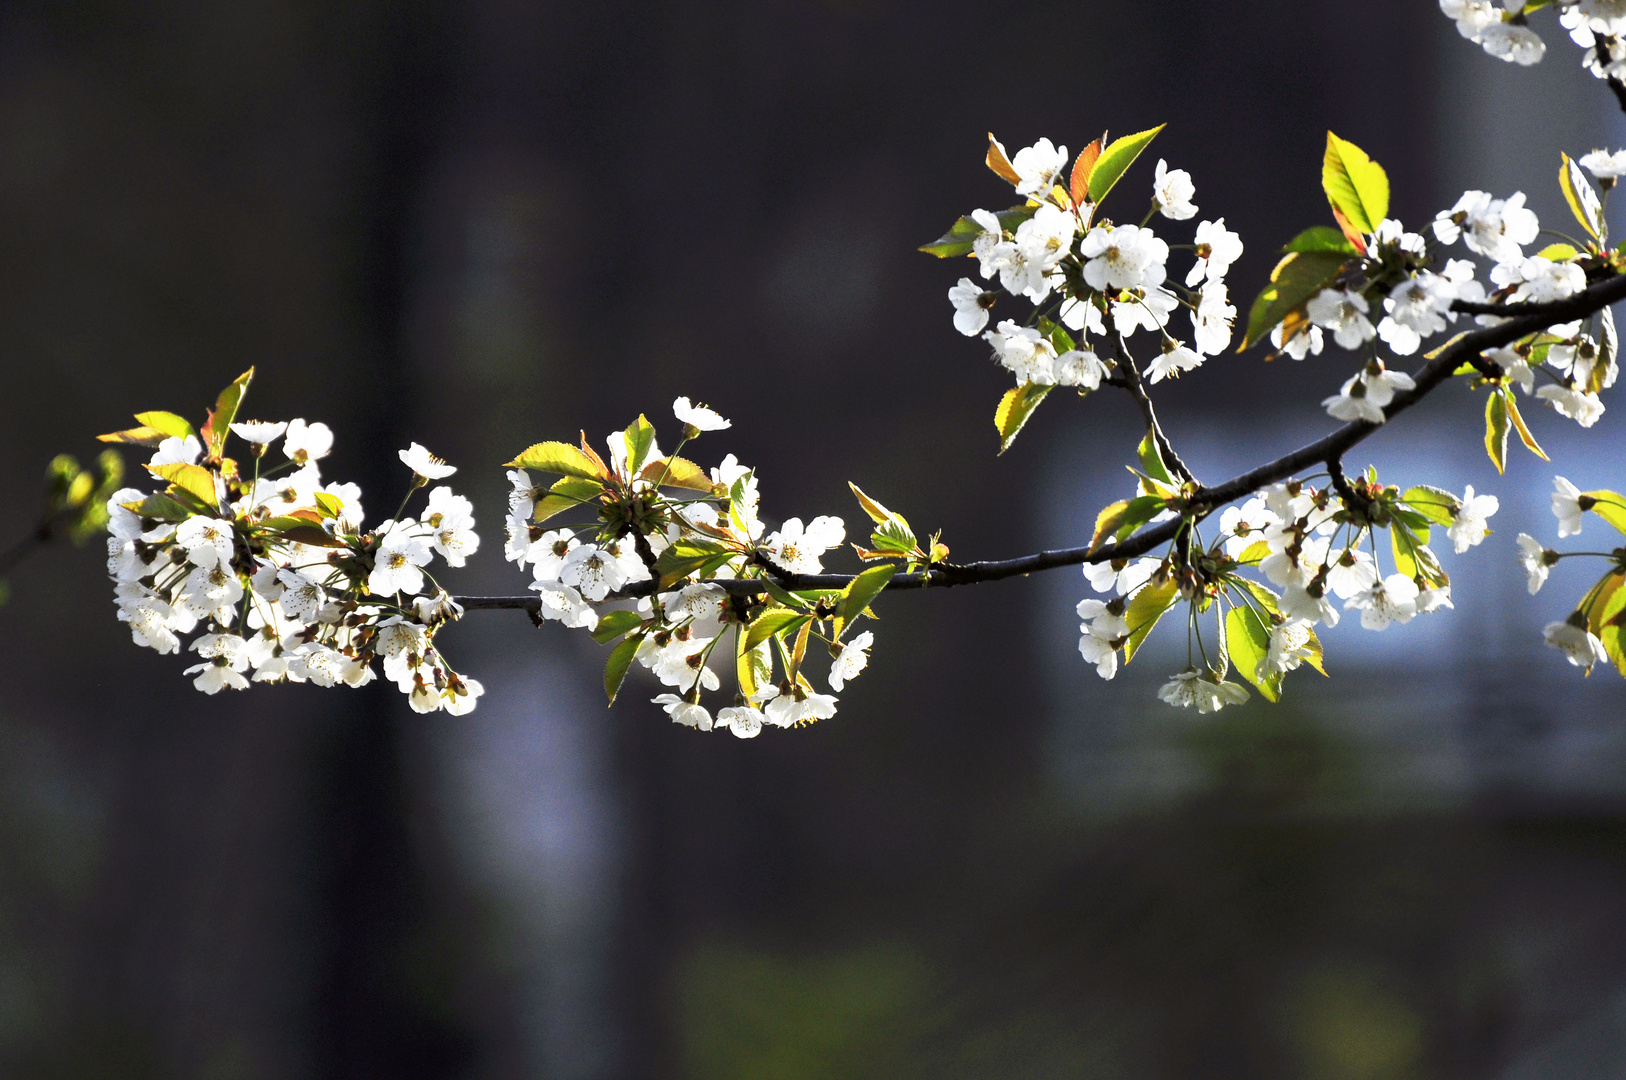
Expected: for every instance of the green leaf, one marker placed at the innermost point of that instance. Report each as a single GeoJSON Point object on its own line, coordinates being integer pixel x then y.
{"type": "Point", "coordinates": [963, 233]}
{"type": "Point", "coordinates": [1403, 543]}
{"type": "Point", "coordinates": [1496, 429]}
{"type": "Point", "coordinates": [195, 480]}
{"type": "Point", "coordinates": [877, 513]}
{"type": "Point", "coordinates": [753, 667]}
{"type": "Point", "coordinates": [330, 506]}
{"type": "Point", "coordinates": [1249, 639]}
{"type": "Point", "coordinates": [683, 557]}
{"type": "Point", "coordinates": [1525, 437]}
{"type": "Point", "coordinates": [161, 507]}
{"type": "Point", "coordinates": [1254, 554]}
{"type": "Point", "coordinates": [1608, 349]}
{"type": "Point", "coordinates": [893, 534]}
{"type": "Point", "coordinates": [639, 437]}
{"type": "Point", "coordinates": [1267, 599]}
{"type": "Point", "coordinates": [313, 535]}
{"type": "Point", "coordinates": [771, 623]}
{"type": "Point", "coordinates": [1152, 461]}
{"type": "Point", "coordinates": [225, 411]}
{"type": "Point", "coordinates": [1560, 252]}
{"type": "Point", "coordinates": [1436, 504]}
{"type": "Point", "coordinates": [860, 591]}
{"type": "Point", "coordinates": [1583, 200]}
{"type": "Point", "coordinates": [167, 422]}
{"type": "Point", "coordinates": [1604, 601]}
{"type": "Point", "coordinates": [1015, 408]}
{"type": "Point", "coordinates": [1609, 506]}
{"type": "Point", "coordinates": [1298, 277]}
{"type": "Point", "coordinates": [679, 472]}
{"type": "Point", "coordinates": [1321, 238]}
{"type": "Point", "coordinates": [566, 493]}
{"type": "Point", "coordinates": [140, 436]}
{"type": "Point", "coordinates": [1356, 186]}
{"type": "Point", "coordinates": [615, 668]}
{"type": "Point", "coordinates": [612, 624]}
{"type": "Point", "coordinates": [1122, 518]}
{"type": "Point", "coordinates": [1146, 607]}
{"type": "Point", "coordinates": [1116, 159]}
{"type": "Point", "coordinates": [793, 667]}
{"type": "Point", "coordinates": [557, 457]}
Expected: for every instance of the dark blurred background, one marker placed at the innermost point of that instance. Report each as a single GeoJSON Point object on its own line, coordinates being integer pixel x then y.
{"type": "Point", "coordinates": [476, 225]}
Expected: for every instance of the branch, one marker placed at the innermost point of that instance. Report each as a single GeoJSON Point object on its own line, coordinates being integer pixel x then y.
{"type": "Point", "coordinates": [1132, 382]}
{"type": "Point", "coordinates": [1328, 450]}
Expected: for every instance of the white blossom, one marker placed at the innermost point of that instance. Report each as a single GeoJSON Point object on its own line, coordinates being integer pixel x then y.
{"type": "Point", "coordinates": [1513, 43]}
{"type": "Point", "coordinates": [259, 432]}
{"type": "Point", "coordinates": [207, 540]}
{"type": "Point", "coordinates": [1024, 352]}
{"type": "Point", "coordinates": [1080, 367]}
{"type": "Point", "coordinates": [451, 517]}
{"type": "Point", "coordinates": [1604, 165]}
{"type": "Point", "coordinates": [564, 604]}
{"type": "Point", "coordinates": [1123, 257]}
{"type": "Point", "coordinates": [424, 464]}
{"type": "Point", "coordinates": [1217, 249]}
{"type": "Point", "coordinates": [699, 417]}
{"type": "Point", "coordinates": [786, 710]}
{"type": "Point", "coordinates": [797, 549]}
{"type": "Point", "coordinates": [1344, 313]}
{"type": "Point", "coordinates": [1582, 406]}
{"type": "Point", "coordinates": [1289, 647]}
{"type": "Point", "coordinates": [398, 563]}
{"type": "Point", "coordinates": [1365, 395]}
{"type": "Point", "coordinates": [1578, 644]}
{"type": "Point", "coordinates": [1468, 520]}
{"type": "Point", "coordinates": [850, 661]}
{"type": "Point", "coordinates": [684, 712]}
{"type": "Point", "coordinates": [1307, 342]}
{"type": "Point", "coordinates": [1211, 319]}
{"type": "Point", "coordinates": [1174, 359]}
{"type": "Point", "coordinates": [1143, 309]}
{"type": "Point", "coordinates": [1394, 599]}
{"type": "Point", "coordinates": [1172, 192]}
{"type": "Point", "coordinates": [744, 721]}
{"type": "Point", "coordinates": [1038, 166]}
{"type": "Point", "coordinates": [177, 451]}
{"type": "Point", "coordinates": [1567, 507]}
{"type": "Point", "coordinates": [1536, 560]}
{"type": "Point", "coordinates": [1538, 279]}
{"type": "Point", "coordinates": [1190, 688]}
{"type": "Point", "coordinates": [307, 442]}
{"type": "Point", "coordinates": [971, 306]}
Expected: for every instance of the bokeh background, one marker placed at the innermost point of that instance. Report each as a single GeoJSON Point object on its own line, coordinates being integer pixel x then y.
{"type": "Point", "coordinates": [480, 224]}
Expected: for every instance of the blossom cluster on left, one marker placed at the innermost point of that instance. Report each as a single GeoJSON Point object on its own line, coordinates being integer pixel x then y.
{"type": "Point", "coordinates": [271, 566]}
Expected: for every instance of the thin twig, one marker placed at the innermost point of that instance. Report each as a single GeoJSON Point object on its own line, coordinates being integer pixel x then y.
{"type": "Point", "coordinates": [1132, 382]}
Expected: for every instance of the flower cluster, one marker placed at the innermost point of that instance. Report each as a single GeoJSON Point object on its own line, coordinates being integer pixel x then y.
{"type": "Point", "coordinates": [1503, 29]}
{"type": "Point", "coordinates": [271, 565]}
{"type": "Point", "coordinates": [1596, 630]}
{"type": "Point", "coordinates": [1366, 287]}
{"type": "Point", "coordinates": [1093, 282]}
{"type": "Point", "coordinates": [1312, 545]}
{"type": "Point", "coordinates": [675, 563]}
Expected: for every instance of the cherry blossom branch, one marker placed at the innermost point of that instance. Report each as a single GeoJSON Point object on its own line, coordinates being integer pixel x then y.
{"type": "Point", "coordinates": [1526, 318]}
